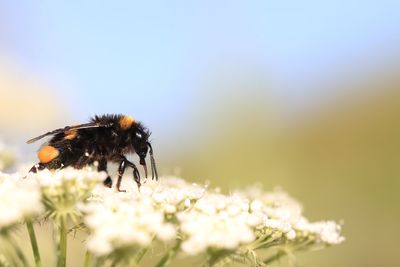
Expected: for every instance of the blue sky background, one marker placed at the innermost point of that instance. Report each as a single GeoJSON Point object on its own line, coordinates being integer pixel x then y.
{"type": "Point", "coordinates": [147, 58]}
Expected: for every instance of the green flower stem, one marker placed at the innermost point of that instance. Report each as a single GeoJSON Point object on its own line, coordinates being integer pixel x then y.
{"type": "Point", "coordinates": [265, 242]}
{"type": "Point", "coordinates": [170, 255]}
{"type": "Point", "coordinates": [301, 246]}
{"type": "Point", "coordinates": [88, 259]}
{"type": "Point", "coordinates": [140, 254]}
{"type": "Point", "coordinates": [19, 254]}
{"type": "Point", "coordinates": [220, 260]}
{"type": "Point", "coordinates": [304, 245]}
{"type": "Point", "coordinates": [62, 246]}
{"type": "Point", "coordinates": [35, 249]}
{"type": "Point", "coordinates": [98, 262]}
{"type": "Point", "coordinates": [260, 242]}
{"type": "Point", "coordinates": [275, 257]}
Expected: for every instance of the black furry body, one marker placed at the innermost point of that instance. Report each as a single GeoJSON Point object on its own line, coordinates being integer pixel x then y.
{"type": "Point", "coordinates": [92, 144]}
{"type": "Point", "coordinates": [106, 138]}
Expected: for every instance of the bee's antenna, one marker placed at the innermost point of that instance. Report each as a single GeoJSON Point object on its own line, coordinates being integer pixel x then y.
{"type": "Point", "coordinates": [153, 163]}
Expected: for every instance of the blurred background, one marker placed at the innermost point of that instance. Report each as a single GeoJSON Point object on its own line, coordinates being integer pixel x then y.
{"type": "Point", "coordinates": [298, 94]}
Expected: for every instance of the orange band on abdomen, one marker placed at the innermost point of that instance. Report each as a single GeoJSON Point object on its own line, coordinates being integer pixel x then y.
{"type": "Point", "coordinates": [47, 154]}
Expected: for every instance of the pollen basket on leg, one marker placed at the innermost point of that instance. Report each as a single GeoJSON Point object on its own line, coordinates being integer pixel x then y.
{"type": "Point", "coordinates": [47, 154]}
{"type": "Point", "coordinates": [126, 122]}
{"type": "Point", "coordinates": [70, 134]}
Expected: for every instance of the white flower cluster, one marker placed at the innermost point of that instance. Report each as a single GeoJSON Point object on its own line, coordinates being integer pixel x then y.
{"type": "Point", "coordinates": [63, 189]}
{"type": "Point", "coordinates": [19, 199]}
{"type": "Point", "coordinates": [74, 180]}
{"type": "Point", "coordinates": [203, 219]}
{"type": "Point", "coordinates": [327, 232]}
{"type": "Point", "coordinates": [197, 219]}
{"type": "Point", "coordinates": [218, 221]}
{"type": "Point", "coordinates": [284, 214]}
{"type": "Point", "coordinates": [172, 194]}
{"type": "Point", "coordinates": [121, 220]}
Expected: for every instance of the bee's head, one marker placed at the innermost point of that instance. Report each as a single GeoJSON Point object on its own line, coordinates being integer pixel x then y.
{"type": "Point", "coordinates": [142, 146]}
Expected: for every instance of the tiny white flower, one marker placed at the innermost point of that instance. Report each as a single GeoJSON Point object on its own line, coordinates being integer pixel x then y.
{"type": "Point", "coordinates": [255, 219]}
{"type": "Point", "coordinates": [217, 221]}
{"type": "Point", "coordinates": [291, 234]}
{"type": "Point", "coordinates": [168, 208]}
{"type": "Point", "coordinates": [327, 231]}
{"type": "Point", "coordinates": [194, 246]}
{"type": "Point", "coordinates": [166, 232]}
{"type": "Point", "coordinates": [256, 205]}
{"type": "Point", "coordinates": [187, 202]}
{"type": "Point", "coordinates": [19, 199]}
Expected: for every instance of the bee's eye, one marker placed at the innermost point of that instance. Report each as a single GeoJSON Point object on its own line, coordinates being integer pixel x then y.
{"type": "Point", "coordinates": [139, 135]}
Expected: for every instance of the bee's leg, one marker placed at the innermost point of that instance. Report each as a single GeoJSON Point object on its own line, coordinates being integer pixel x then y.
{"type": "Point", "coordinates": [136, 174]}
{"type": "Point", "coordinates": [121, 170]}
{"type": "Point", "coordinates": [103, 167]}
{"type": "Point", "coordinates": [123, 164]}
{"type": "Point", "coordinates": [37, 167]}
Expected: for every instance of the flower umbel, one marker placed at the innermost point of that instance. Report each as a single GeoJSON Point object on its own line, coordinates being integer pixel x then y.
{"type": "Point", "coordinates": [188, 219]}
{"type": "Point", "coordinates": [124, 220]}
{"type": "Point", "coordinates": [63, 189]}
{"type": "Point", "coordinates": [19, 199]}
{"type": "Point", "coordinates": [217, 221]}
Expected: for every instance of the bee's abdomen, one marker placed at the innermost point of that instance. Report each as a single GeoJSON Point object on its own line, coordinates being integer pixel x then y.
{"type": "Point", "coordinates": [47, 154]}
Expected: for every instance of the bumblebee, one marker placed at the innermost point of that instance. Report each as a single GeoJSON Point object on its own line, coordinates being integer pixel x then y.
{"type": "Point", "coordinates": [106, 138]}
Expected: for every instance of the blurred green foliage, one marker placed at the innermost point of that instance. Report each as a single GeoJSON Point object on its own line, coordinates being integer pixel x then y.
{"type": "Point", "coordinates": [342, 162]}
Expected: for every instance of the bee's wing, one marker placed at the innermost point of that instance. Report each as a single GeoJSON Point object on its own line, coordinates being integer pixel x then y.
{"type": "Point", "coordinates": [68, 128]}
